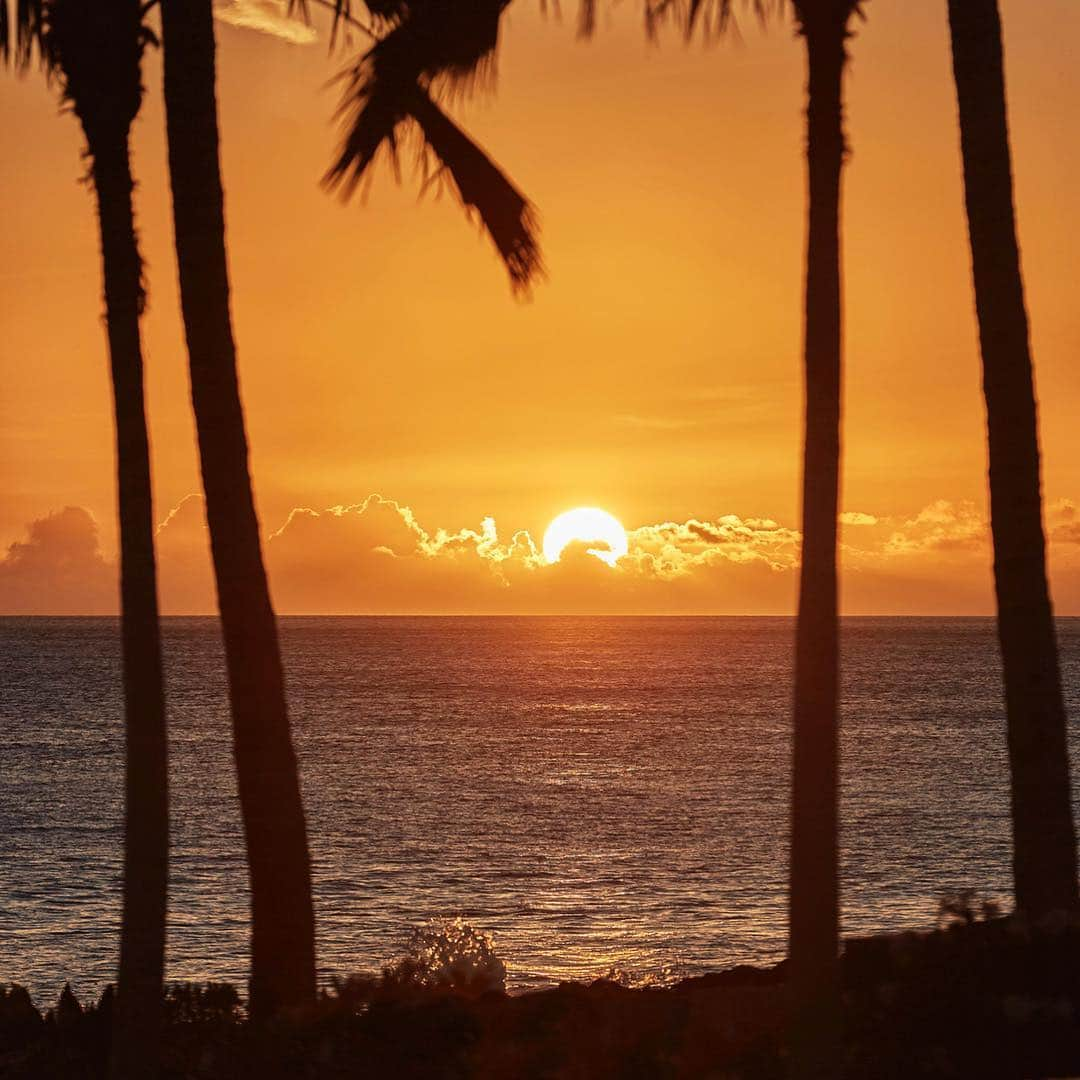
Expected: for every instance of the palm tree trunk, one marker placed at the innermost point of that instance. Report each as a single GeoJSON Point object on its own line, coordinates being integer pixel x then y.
{"type": "Point", "coordinates": [1044, 842]}
{"type": "Point", "coordinates": [814, 915]}
{"type": "Point", "coordinates": [283, 924]}
{"type": "Point", "coordinates": [142, 943]}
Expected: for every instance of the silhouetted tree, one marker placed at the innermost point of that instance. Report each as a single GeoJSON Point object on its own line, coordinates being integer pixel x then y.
{"type": "Point", "coordinates": [1044, 843]}
{"type": "Point", "coordinates": [813, 946]}
{"type": "Point", "coordinates": [282, 915]}
{"type": "Point", "coordinates": [814, 918]}
{"type": "Point", "coordinates": [95, 48]}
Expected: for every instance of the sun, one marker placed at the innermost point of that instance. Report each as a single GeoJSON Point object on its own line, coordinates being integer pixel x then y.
{"type": "Point", "coordinates": [589, 525]}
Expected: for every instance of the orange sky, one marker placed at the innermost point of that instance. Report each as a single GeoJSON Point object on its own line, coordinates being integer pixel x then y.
{"type": "Point", "coordinates": [656, 373]}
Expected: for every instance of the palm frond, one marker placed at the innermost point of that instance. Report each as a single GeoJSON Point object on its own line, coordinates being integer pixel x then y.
{"type": "Point", "coordinates": [24, 37]}
{"type": "Point", "coordinates": [713, 18]}
{"type": "Point", "coordinates": [381, 10]}
{"type": "Point", "coordinates": [376, 112]}
{"type": "Point", "coordinates": [427, 45]}
{"type": "Point", "coordinates": [388, 10]}
{"type": "Point", "coordinates": [826, 15]}
{"type": "Point", "coordinates": [341, 11]}
{"type": "Point", "coordinates": [481, 186]}
{"type": "Point", "coordinates": [96, 51]}
{"type": "Point", "coordinates": [448, 39]}
{"type": "Point", "coordinates": [439, 40]}
{"type": "Point", "coordinates": [381, 86]}
{"type": "Point", "coordinates": [506, 214]}
{"type": "Point", "coordinates": [30, 33]}
{"type": "Point", "coordinates": [586, 18]}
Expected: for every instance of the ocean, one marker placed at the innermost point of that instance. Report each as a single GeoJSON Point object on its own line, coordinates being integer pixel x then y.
{"type": "Point", "coordinates": [599, 793]}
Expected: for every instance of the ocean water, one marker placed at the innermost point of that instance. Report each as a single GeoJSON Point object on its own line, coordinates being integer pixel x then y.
{"type": "Point", "coordinates": [597, 792]}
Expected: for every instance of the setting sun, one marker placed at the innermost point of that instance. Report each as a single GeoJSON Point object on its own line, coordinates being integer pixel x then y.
{"type": "Point", "coordinates": [589, 525]}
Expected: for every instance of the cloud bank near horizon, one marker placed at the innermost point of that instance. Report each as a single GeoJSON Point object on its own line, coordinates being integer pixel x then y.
{"type": "Point", "coordinates": [58, 569]}
{"type": "Point", "coordinates": [376, 557]}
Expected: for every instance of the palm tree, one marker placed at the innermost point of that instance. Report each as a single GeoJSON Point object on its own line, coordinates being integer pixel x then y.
{"type": "Point", "coordinates": [282, 915]}
{"type": "Point", "coordinates": [96, 50]}
{"type": "Point", "coordinates": [814, 926]}
{"type": "Point", "coordinates": [814, 916]}
{"type": "Point", "coordinates": [1044, 842]}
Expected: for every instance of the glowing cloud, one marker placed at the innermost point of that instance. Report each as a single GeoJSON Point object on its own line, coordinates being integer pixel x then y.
{"type": "Point", "coordinates": [375, 557]}
{"type": "Point", "coordinates": [267, 17]}
{"type": "Point", "coordinates": [854, 517]}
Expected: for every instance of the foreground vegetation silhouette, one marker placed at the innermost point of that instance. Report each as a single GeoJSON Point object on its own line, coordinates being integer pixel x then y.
{"type": "Point", "coordinates": [982, 996]}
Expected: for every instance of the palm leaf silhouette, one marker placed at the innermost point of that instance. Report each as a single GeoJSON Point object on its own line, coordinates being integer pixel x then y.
{"type": "Point", "coordinates": [421, 50]}
{"type": "Point", "coordinates": [508, 216]}
{"type": "Point", "coordinates": [714, 17]}
{"type": "Point", "coordinates": [24, 36]}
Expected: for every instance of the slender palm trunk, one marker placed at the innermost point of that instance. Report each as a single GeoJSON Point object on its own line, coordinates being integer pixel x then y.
{"type": "Point", "coordinates": [283, 925]}
{"type": "Point", "coordinates": [814, 914]}
{"type": "Point", "coordinates": [142, 942]}
{"type": "Point", "coordinates": [1044, 842]}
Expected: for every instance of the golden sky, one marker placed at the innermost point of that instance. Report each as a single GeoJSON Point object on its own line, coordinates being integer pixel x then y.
{"type": "Point", "coordinates": [655, 374]}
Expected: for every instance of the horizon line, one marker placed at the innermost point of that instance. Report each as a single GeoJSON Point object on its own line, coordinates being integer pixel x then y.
{"type": "Point", "coordinates": [535, 615]}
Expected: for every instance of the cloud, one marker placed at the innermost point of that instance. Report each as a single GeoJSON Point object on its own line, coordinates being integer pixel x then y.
{"type": "Point", "coordinates": [266, 16]}
{"type": "Point", "coordinates": [696, 409]}
{"type": "Point", "coordinates": [185, 571]}
{"type": "Point", "coordinates": [653, 423]}
{"type": "Point", "coordinates": [59, 569]}
{"type": "Point", "coordinates": [942, 526]}
{"type": "Point", "coordinates": [1062, 510]}
{"type": "Point", "coordinates": [673, 548]}
{"type": "Point", "coordinates": [376, 556]}
{"type": "Point", "coordinates": [1066, 533]}
{"type": "Point", "coordinates": [854, 517]}
{"type": "Point", "coordinates": [188, 500]}
{"type": "Point", "coordinates": [1063, 525]}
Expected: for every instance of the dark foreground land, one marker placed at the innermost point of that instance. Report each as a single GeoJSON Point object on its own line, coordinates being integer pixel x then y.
{"type": "Point", "coordinates": [985, 999]}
